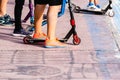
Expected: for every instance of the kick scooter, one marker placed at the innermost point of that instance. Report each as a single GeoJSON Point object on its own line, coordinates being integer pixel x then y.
{"type": "Point", "coordinates": [76, 39]}
{"type": "Point", "coordinates": [107, 10]}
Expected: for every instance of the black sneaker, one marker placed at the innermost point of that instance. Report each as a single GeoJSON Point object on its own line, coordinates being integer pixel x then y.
{"type": "Point", "coordinates": [7, 23]}
{"type": "Point", "coordinates": [2, 19]}
{"type": "Point", "coordinates": [21, 33]}
{"type": "Point", "coordinates": [7, 20]}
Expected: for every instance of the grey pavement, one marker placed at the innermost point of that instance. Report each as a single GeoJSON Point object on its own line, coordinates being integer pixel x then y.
{"type": "Point", "coordinates": [97, 57]}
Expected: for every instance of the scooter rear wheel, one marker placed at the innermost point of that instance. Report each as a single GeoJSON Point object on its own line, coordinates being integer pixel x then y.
{"type": "Point", "coordinates": [27, 39]}
{"type": "Point", "coordinates": [111, 13]}
{"type": "Point", "coordinates": [77, 9]}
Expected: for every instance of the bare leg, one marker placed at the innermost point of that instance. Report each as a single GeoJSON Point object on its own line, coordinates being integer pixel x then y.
{"type": "Point", "coordinates": [52, 15]}
{"type": "Point", "coordinates": [52, 20]}
{"type": "Point", "coordinates": [39, 10]}
{"type": "Point", "coordinates": [96, 2]}
{"type": "Point", "coordinates": [3, 7]}
{"type": "Point", "coordinates": [92, 1]}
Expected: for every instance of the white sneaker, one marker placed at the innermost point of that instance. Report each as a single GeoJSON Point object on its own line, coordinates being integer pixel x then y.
{"type": "Point", "coordinates": [97, 9]}
{"type": "Point", "coordinates": [92, 7]}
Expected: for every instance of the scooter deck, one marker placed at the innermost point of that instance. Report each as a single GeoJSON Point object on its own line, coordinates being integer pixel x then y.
{"type": "Point", "coordinates": [30, 40]}
{"type": "Point", "coordinates": [91, 11]}
{"type": "Point", "coordinates": [41, 40]}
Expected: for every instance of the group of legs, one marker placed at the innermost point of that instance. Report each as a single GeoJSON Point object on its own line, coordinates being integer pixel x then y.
{"type": "Point", "coordinates": [50, 38]}
{"type": "Point", "coordinates": [52, 14]}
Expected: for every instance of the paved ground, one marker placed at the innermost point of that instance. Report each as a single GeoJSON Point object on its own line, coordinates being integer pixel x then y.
{"type": "Point", "coordinates": [96, 58]}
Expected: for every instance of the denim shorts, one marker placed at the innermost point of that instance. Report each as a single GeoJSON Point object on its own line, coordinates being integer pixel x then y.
{"type": "Point", "coordinates": [50, 2]}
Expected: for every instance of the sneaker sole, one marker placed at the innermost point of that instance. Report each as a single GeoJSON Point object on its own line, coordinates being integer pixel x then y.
{"type": "Point", "coordinates": [54, 46]}
{"type": "Point", "coordinates": [18, 35]}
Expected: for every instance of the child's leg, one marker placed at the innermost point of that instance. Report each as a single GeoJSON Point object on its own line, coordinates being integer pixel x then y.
{"type": "Point", "coordinates": [96, 2]}
{"type": "Point", "coordinates": [52, 20]}
{"type": "Point", "coordinates": [18, 13]}
{"type": "Point", "coordinates": [3, 7]}
{"type": "Point", "coordinates": [52, 42]}
{"type": "Point", "coordinates": [18, 30]}
{"type": "Point", "coordinates": [39, 10]}
{"type": "Point", "coordinates": [91, 1]}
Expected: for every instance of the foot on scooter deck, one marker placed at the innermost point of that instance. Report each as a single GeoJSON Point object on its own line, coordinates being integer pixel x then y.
{"type": "Point", "coordinates": [30, 40]}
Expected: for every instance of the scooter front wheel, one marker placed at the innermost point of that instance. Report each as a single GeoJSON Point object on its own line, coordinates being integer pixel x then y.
{"type": "Point", "coordinates": [76, 40]}
{"type": "Point", "coordinates": [111, 13]}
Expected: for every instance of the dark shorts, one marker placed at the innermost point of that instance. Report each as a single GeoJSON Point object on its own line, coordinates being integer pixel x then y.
{"type": "Point", "coordinates": [50, 2]}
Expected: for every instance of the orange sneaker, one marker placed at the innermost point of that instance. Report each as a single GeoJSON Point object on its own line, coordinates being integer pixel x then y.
{"type": "Point", "coordinates": [54, 44]}
{"type": "Point", "coordinates": [42, 36]}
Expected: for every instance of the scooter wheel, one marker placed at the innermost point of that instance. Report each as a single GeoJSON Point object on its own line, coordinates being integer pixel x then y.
{"type": "Point", "coordinates": [27, 39]}
{"type": "Point", "coordinates": [76, 40]}
{"type": "Point", "coordinates": [77, 9]}
{"type": "Point", "coordinates": [111, 13]}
